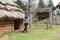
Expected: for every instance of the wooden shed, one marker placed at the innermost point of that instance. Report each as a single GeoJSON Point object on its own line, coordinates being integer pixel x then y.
{"type": "Point", "coordinates": [11, 16]}
{"type": "Point", "coordinates": [43, 12]}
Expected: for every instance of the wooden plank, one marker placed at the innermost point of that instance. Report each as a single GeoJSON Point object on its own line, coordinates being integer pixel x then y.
{"type": "Point", "coordinates": [13, 26]}
{"type": "Point", "coordinates": [5, 25]}
{"type": "Point", "coordinates": [5, 28]}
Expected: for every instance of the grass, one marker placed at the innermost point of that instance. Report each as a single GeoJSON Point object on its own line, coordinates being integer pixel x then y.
{"type": "Point", "coordinates": [40, 33]}
{"type": "Point", "coordinates": [36, 34]}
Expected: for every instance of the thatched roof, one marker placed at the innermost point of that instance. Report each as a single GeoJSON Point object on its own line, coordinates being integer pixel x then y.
{"type": "Point", "coordinates": [10, 9]}
{"type": "Point", "coordinates": [43, 10]}
{"type": "Point", "coordinates": [58, 5]}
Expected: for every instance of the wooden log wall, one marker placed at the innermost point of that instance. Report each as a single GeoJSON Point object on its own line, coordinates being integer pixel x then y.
{"type": "Point", "coordinates": [6, 26]}
{"type": "Point", "coordinates": [21, 25]}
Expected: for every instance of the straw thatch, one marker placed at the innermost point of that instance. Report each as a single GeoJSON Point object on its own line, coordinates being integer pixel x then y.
{"type": "Point", "coordinates": [43, 10]}
{"type": "Point", "coordinates": [10, 9]}
{"type": "Point", "coordinates": [59, 4]}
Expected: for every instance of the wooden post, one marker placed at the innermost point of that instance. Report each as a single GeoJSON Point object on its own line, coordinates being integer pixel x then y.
{"type": "Point", "coordinates": [21, 25]}
{"type": "Point", "coordinates": [12, 25]}
{"type": "Point", "coordinates": [53, 18]}
{"type": "Point", "coordinates": [50, 19]}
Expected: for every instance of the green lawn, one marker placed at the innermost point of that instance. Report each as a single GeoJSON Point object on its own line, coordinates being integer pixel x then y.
{"type": "Point", "coordinates": [35, 34]}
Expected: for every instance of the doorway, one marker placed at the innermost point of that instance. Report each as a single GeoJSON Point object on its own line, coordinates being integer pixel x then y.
{"type": "Point", "coordinates": [16, 24]}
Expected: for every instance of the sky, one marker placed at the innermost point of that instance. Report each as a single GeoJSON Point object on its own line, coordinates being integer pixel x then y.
{"type": "Point", "coordinates": [55, 2]}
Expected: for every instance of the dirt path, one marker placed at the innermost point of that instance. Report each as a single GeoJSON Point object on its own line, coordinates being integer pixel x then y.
{"type": "Point", "coordinates": [4, 38]}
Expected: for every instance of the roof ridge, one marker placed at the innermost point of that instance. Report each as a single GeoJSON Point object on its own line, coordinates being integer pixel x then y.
{"type": "Point", "coordinates": [9, 4]}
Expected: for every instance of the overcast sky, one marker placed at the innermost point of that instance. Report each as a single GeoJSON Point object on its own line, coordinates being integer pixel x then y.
{"type": "Point", "coordinates": [54, 1]}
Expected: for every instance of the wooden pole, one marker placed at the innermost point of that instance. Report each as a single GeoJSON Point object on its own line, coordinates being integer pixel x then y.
{"type": "Point", "coordinates": [50, 19]}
